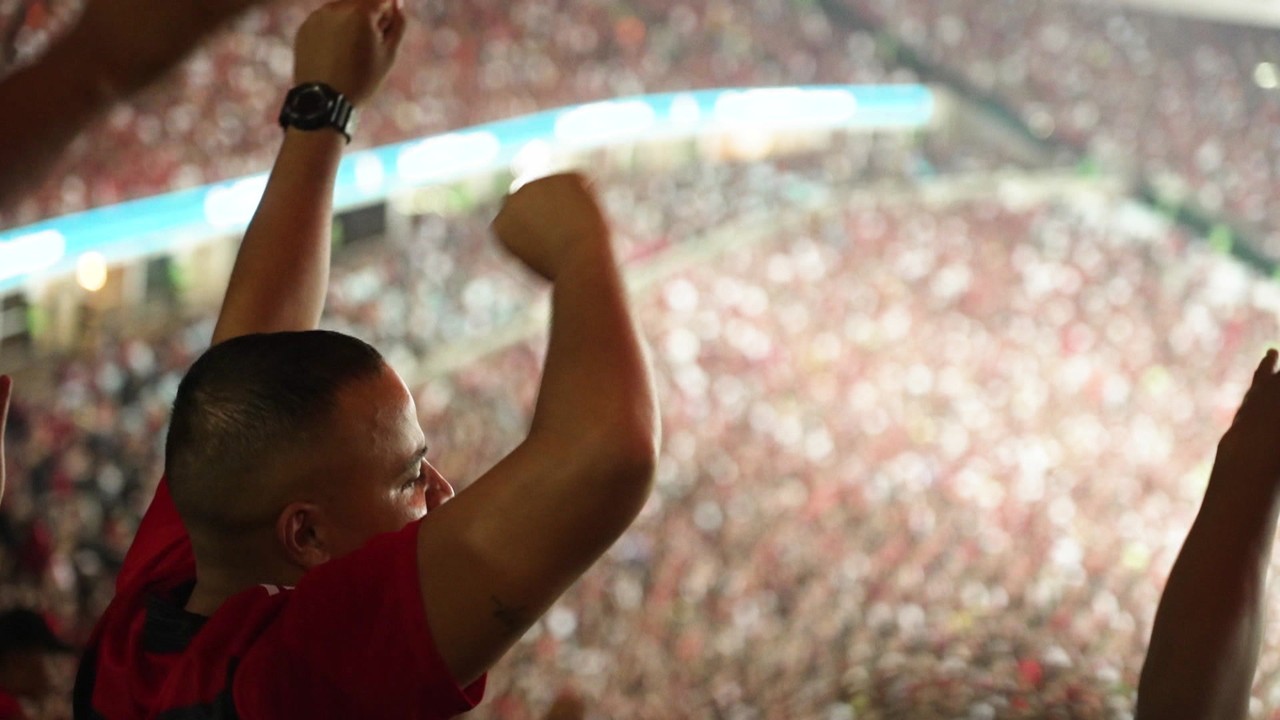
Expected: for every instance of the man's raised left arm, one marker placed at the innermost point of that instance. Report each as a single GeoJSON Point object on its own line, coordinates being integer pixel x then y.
{"type": "Point", "coordinates": [281, 274]}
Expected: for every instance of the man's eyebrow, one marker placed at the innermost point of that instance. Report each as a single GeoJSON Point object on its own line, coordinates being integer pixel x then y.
{"type": "Point", "coordinates": [418, 456]}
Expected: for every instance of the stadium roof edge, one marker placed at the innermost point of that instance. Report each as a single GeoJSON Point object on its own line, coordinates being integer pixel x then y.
{"type": "Point", "coordinates": [1241, 12]}
{"type": "Point", "coordinates": [154, 225]}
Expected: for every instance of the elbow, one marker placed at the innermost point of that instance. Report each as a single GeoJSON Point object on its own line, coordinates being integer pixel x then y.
{"type": "Point", "coordinates": [633, 460]}
{"type": "Point", "coordinates": [625, 462]}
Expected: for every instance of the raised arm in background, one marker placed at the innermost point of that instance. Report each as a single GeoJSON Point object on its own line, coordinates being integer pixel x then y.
{"type": "Point", "coordinates": [117, 48]}
{"type": "Point", "coordinates": [6, 389]}
{"type": "Point", "coordinates": [281, 274]}
{"type": "Point", "coordinates": [1208, 628]}
{"type": "Point", "coordinates": [498, 555]}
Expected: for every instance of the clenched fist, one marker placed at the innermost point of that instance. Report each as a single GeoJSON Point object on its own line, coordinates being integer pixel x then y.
{"type": "Point", "coordinates": [548, 222]}
{"type": "Point", "coordinates": [349, 45]}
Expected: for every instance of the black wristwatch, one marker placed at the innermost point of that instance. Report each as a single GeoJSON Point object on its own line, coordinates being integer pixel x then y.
{"type": "Point", "coordinates": [316, 106]}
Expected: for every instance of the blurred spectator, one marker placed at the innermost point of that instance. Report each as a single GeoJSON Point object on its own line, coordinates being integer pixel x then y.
{"type": "Point", "coordinates": [26, 646]}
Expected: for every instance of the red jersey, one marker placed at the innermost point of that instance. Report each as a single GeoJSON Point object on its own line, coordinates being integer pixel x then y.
{"type": "Point", "coordinates": [10, 708]}
{"type": "Point", "coordinates": [350, 641]}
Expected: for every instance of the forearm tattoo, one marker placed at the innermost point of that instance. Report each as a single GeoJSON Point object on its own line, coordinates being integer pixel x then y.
{"type": "Point", "coordinates": [513, 618]}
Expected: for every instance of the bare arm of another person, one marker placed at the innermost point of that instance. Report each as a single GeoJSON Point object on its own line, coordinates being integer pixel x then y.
{"type": "Point", "coordinates": [117, 48]}
{"type": "Point", "coordinates": [494, 559]}
{"type": "Point", "coordinates": [6, 389]}
{"type": "Point", "coordinates": [1208, 628]}
{"type": "Point", "coordinates": [281, 274]}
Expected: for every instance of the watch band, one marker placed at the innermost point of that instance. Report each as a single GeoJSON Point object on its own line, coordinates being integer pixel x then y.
{"type": "Point", "coordinates": [317, 106]}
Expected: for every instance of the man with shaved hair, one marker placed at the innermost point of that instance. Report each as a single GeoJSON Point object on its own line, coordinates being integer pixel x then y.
{"type": "Point", "coordinates": [302, 558]}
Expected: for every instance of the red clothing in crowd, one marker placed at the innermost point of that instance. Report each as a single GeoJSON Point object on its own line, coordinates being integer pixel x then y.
{"type": "Point", "coordinates": [10, 708]}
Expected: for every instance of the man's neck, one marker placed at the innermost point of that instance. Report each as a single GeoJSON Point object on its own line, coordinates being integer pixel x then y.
{"type": "Point", "coordinates": [206, 600]}
{"type": "Point", "coordinates": [212, 588]}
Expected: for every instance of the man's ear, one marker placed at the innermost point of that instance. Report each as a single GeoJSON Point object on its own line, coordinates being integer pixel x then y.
{"type": "Point", "coordinates": [301, 533]}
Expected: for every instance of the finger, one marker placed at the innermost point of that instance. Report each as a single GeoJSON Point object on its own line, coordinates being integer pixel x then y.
{"type": "Point", "coordinates": [1267, 368]}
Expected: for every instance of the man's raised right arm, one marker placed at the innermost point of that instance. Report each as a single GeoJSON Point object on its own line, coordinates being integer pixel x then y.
{"type": "Point", "coordinates": [495, 558]}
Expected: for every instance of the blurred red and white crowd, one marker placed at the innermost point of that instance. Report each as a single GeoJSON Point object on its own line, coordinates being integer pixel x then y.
{"type": "Point", "coordinates": [922, 458]}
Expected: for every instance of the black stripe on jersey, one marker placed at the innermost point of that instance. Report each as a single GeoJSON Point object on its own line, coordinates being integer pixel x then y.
{"type": "Point", "coordinates": [221, 708]}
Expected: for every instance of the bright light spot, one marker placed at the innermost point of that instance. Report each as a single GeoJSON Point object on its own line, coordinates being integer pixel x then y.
{"type": "Point", "coordinates": [233, 204]}
{"type": "Point", "coordinates": [91, 271]}
{"type": "Point", "coordinates": [561, 622]}
{"type": "Point", "coordinates": [776, 108]}
{"type": "Point", "coordinates": [605, 121]}
{"type": "Point", "coordinates": [31, 253]}
{"type": "Point", "coordinates": [685, 112]}
{"type": "Point", "coordinates": [1266, 76]}
{"type": "Point", "coordinates": [447, 157]}
{"type": "Point", "coordinates": [535, 160]}
{"type": "Point", "coordinates": [370, 175]}
{"type": "Point", "coordinates": [750, 144]}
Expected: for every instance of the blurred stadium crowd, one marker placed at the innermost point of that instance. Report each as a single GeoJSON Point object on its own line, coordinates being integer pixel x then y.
{"type": "Point", "coordinates": [463, 63]}
{"type": "Point", "coordinates": [891, 486]}
{"type": "Point", "coordinates": [1187, 103]}
{"type": "Point", "coordinates": [1199, 130]}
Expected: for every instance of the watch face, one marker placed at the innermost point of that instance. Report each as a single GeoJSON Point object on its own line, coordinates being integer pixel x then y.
{"type": "Point", "coordinates": [311, 103]}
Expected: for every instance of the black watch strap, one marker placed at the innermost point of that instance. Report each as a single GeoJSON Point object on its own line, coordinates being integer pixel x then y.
{"type": "Point", "coordinates": [317, 106]}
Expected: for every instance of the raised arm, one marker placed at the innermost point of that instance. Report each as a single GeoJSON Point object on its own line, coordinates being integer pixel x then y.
{"type": "Point", "coordinates": [6, 389]}
{"type": "Point", "coordinates": [494, 559]}
{"type": "Point", "coordinates": [117, 48]}
{"type": "Point", "coordinates": [1208, 628]}
{"type": "Point", "coordinates": [281, 274]}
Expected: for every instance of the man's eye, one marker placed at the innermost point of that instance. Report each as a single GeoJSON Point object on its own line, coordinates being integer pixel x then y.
{"type": "Point", "coordinates": [421, 478]}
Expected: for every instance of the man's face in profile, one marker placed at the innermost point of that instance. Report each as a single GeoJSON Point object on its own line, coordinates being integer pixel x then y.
{"type": "Point", "coordinates": [375, 475]}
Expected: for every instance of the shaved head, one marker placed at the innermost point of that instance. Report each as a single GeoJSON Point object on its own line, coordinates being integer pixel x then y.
{"type": "Point", "coordinates": [251, 417]}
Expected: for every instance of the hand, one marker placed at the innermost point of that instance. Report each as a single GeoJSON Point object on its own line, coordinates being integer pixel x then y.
{"type": "Point", "coordinates": [349, 45]}
{"type": "Point", "coordinates": [547, 221]}
{"type": "Point", "coordinates": [6, 389]}
{"type": "Point", "coordinates": [131, 43]}
{"type": "Point", "coordinates": [1250, 450]}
